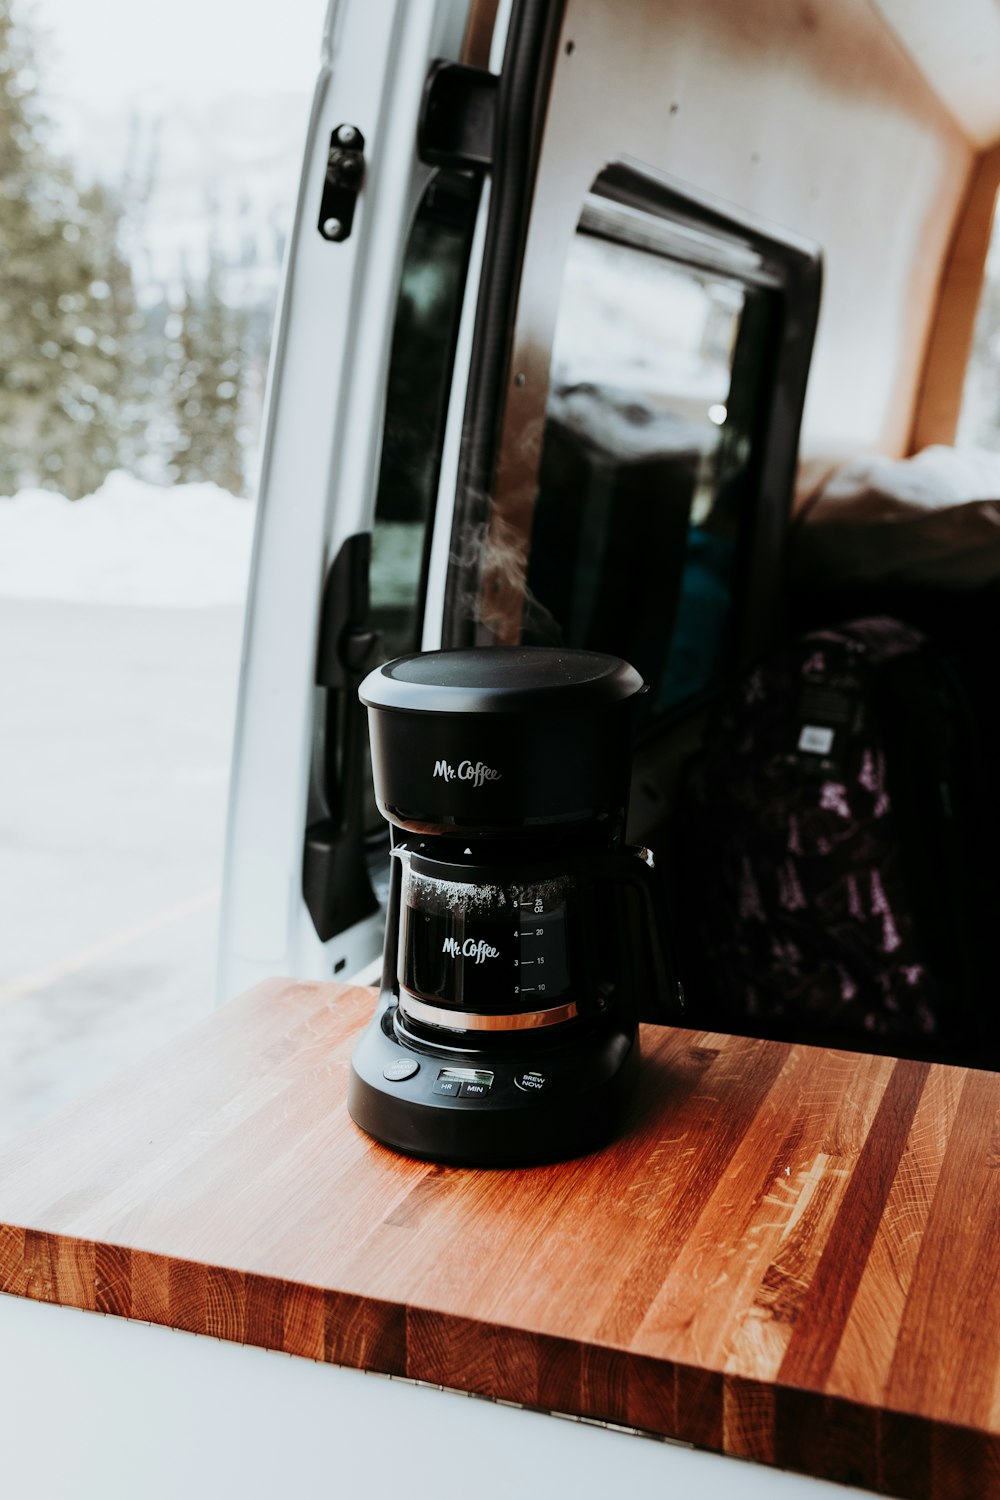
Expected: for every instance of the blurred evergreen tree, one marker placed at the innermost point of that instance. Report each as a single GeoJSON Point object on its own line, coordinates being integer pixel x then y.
{"type": "Point", "coordinates": [67, 308]}
{"type": "Point", "coordinates": [207, 357]}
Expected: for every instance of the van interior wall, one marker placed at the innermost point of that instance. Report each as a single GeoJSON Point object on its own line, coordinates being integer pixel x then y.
{"type": "Point", "coordinates": [812, 117]}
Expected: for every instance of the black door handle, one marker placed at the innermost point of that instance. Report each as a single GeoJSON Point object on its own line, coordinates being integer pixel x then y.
{"type": "Point", "coordinates": [335, 880]}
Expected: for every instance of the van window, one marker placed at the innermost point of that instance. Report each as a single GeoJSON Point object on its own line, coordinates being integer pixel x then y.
{"type": "Point", "coordinates": [419, 383]}
{"type": "Point", "coordinates": [979, 417]}
{"type": "Point", "coordinates": [418, 386]}
{"type": "Point", "coordinates": [646, 473]}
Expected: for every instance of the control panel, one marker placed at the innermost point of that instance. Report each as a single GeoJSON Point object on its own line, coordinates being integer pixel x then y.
{"type": "Point", "coordinates": [520, 1101]}
{"type": "Point", "coordinates": [465, 1083]}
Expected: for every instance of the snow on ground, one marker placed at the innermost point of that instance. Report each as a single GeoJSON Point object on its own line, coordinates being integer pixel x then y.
{"type": "Point", "coordinates": [114, 763]}
{"type": "Point", "coordinates": [120, 625]}
{"type": "Point", "coordinates": [129, 543]}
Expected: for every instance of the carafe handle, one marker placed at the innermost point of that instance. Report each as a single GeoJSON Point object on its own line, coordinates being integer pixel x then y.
{"type": "Point", "coordinates": [633, 867]}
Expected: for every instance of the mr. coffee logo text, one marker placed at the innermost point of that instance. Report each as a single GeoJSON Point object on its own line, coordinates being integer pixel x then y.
{"type": "Point", "coordinates": [477, 774]}
{"type": "Point", "coordinates": [469, 949]}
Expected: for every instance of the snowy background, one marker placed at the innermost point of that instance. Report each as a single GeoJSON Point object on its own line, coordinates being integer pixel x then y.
{"type": "Point", "coordinates": [196, 112]}
{"type": "Point", "coordinates": [187, 547]}
{"type": "Point", "coordinates": [120, 627]}
{"type": "Point", "coordinates": [121, 611]}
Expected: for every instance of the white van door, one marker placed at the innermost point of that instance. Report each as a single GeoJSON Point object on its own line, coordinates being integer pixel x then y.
{"type": "Point", "coordinates": [366, 432]}
{"type": "Point", "coordinates": [293, 754]}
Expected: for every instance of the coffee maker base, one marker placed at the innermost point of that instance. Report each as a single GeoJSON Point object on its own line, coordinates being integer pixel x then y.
{"type": "Point", "coordinates": [496, 1109]}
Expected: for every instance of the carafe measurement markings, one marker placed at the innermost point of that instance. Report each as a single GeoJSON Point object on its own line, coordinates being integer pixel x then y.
{"type": "Point", "coordinates": [523, 963]}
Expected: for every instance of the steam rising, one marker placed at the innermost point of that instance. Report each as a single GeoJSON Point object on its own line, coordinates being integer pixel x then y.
{"type": "Point", "coordinates": [492, 555]}
{"type": "Point", "coordinates": [492, 558]}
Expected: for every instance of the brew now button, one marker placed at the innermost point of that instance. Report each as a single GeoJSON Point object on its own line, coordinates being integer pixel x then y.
{"type": "Point", "coordinates": [531, 1083]}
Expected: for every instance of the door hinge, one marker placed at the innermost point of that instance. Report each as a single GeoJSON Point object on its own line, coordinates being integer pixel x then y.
{"type": "Point", "coordinates": [345, 174]}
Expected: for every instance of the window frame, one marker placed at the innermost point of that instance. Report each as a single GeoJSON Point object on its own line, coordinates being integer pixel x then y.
{"type": "Point", "coordinates": [719, 238]}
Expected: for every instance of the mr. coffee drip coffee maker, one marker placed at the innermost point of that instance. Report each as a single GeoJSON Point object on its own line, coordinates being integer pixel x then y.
{"type": "Point", "coordinates": [520, 931]}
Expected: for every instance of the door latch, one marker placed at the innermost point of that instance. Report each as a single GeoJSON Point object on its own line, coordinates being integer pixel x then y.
{"type": "Point", "coordinates": [345, 174]}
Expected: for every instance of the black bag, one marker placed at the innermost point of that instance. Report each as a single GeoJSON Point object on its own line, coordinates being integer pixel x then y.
{"type": "Point", "coordinates": [833, 856]}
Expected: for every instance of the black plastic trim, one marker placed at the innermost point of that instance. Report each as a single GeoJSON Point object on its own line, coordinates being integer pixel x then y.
{"type": "Point", "coordinates": [335, 881]}
{"type": "Point", "coordinates": [458, 117]}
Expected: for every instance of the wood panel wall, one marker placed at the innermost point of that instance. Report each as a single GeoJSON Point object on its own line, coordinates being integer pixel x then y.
{"type": "Point", "coordinates": [810, 116]}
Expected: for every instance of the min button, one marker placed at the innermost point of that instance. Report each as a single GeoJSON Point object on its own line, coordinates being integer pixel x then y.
{"type": "Point", "coordinates": [475, 1090]}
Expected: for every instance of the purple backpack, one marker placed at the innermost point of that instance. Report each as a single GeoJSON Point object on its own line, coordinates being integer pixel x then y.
{"type": "Point", "coordinates": [825, 873]}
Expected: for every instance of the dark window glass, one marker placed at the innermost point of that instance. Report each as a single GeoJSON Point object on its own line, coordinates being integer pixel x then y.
{"type": "Point", "coordinates": [423, 347]}
{"type": "Point", "coordinates": [645, 479]}
{"type": "Point", "coordinates": [419, 384]}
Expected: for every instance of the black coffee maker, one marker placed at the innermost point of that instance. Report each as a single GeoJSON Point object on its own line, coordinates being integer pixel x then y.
{"type": "Point", "coordinates": [521, 933]}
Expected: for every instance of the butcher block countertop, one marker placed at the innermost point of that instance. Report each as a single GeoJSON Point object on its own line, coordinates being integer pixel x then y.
{"type": "Point", "coordinates": [792, 1255]}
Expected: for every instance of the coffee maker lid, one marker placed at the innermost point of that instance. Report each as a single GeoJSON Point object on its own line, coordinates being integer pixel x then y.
{"type": "Point", "coordinates": [501, 680]}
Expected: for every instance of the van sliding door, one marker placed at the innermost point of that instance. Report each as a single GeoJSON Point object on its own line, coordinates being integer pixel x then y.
{"type": "Point", "coordinates": [382, 263]}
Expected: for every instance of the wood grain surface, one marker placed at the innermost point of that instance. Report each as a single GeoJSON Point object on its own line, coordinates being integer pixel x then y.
{"type": "Point", "coordinates": [791, 1254]}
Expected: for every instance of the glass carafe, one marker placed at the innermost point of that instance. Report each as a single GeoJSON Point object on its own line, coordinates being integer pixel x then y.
{"type": "Point", "coordinates": [489, 954]}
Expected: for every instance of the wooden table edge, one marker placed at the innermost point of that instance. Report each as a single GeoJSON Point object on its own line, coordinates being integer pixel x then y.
{"type": "Point", "coordinates": [811, 1432]}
